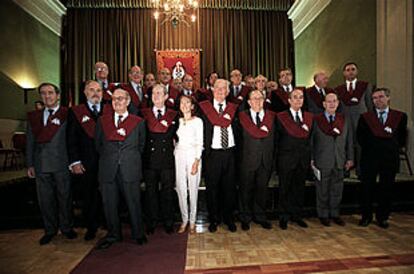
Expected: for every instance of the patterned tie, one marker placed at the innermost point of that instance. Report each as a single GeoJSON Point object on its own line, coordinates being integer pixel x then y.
{"type": "Point", "coordinates": [224, 133]}
{"type": "Point", "coordinates": [159, 115]}
{"type": "Point", "coordinates": [381, 117]}
{"type": "Point", "coordinates": [257, 119]}
{"type": "Point", "coordinates": [119, 121]}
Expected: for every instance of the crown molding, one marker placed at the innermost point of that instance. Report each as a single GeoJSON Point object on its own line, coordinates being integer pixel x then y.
{"type": "Point", "coordinates": [304, 12]}
{"type": "Point", "coordinates": [47, 12]}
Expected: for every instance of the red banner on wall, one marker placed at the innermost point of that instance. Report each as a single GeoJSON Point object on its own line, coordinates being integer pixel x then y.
{"type": "Point", "coordinates": [180, 62]}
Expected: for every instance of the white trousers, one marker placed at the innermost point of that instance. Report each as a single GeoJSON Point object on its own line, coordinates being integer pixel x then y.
{"type": "Point", "coordinates": [186, 183]}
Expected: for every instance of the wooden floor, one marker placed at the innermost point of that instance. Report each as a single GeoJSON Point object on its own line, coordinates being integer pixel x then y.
{"type": "Point", "coordinates": [349, 249]}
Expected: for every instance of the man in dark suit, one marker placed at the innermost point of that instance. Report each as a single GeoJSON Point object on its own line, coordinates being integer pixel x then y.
{"type": "Point", "coordinates": [293, 127]}
{"type": "Point", "coordinates": [220, 124]}
{"type": "Point", "coordinates": [83, 157]}
{"type": "Point", "coordinates": [159, 160]}
{"type": "Point", "coordinates": [332, 152]}
{"type": "Point", "coordinates": [380, 133]}
{"type": "Point", "coordinates": [207, 92]}
{"type": "Point", "coordinates": [135, 89]}
{"type": "Point", "coordinates": [164, 78]}
{"type": "Point", "coordinates": [257, 156]}
{"type": "Point", "coordinates": [120, 140]}
{"type": "Point", "coordinates": [238, 92]}
{"type": "Point", "coordinates": [280, 97]}
{"type": "Point", "coordinates": [315, 95]}
{"type": "Point", "coordinates": [47, 161]}
{"type": "Point", "coordinates": [355, 97]}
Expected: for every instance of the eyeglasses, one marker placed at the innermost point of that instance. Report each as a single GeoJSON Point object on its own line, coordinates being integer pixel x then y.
{"type": "Point", "coordinates": [136, 73]}
{"type": "Point", "coordinates": [119, 98]}
{"type": "Point", "coordinates": [101, 69]}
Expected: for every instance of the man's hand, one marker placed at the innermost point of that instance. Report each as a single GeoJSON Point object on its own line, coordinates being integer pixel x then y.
{"type": "Point", "coordinates": [31, 172]}
{"type": "Point", "coordinates": [78, 169]}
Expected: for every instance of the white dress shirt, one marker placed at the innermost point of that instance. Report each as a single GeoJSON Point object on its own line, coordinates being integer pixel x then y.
{"type": "Point", "coordinates": [46, 113]}
{"type": "Point", "coordinates": [294, 114]}
{"type": "Point", "coordinates": [116, 116]}
{"type": "Point", "coordinates": [155, 111]}
{"type": "Point", "coordinates": [288, 88]}
{"type": "Point", "coordinates": [353, 83]}
{"type": "Point", "coordinates": [137, 89]}
{"type": "Point", "coordinates": [253, 115]}
{"type": "Point", "coordinates": [216, 142]}
{"type": "Point", "coordinates": [320, 90]}
{"type": "Point", "coordinates": [385, 115]}
{"type": "Point", "coordinates": [98, 106]}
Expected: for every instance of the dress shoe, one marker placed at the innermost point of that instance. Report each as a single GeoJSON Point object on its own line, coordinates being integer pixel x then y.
{"type": "Point", "coordinates": [245, 226]}
{"type": "Point", "coordinates": [169, 229]}
{"type": "Point", "coordinates": [338, 221]}
{"type": "Point", "coordinates": [232, 227]}
{"type": "Point", "coordinates": [71, 234]}
{"type": "Point", "coordinates": [325, 221]}
{"type": "Point", "coordinates": [364, 222]}
{"type": "Point", "coordinates": [46, 239]}
{"type": "Point", "coordinates": [150, 230]}
{"type": "Point", "coordinates": [283, 224]}
{"type": "Point", "coordinates": [141, 241]}
{"type": "Point", "coordinates": [182, 229]}
{"type": "Point", "coordinates": [192, 229]}
{"type": "Point", "coordinates": [90, 235]}
{"type": "Point", "coordinates": [105, 244]}
{"type": "Point", "coordinates": [212, 227]}
{"type": "Point", "coordinates": [265, 224]}
{"type": "Point", "coordinates": [301, 223]}
{"type": "Point", "coordinates": [383, 224]}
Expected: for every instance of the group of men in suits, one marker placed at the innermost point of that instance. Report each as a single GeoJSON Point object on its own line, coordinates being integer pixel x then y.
{"type": "Point", "coordinates": [124, 133]}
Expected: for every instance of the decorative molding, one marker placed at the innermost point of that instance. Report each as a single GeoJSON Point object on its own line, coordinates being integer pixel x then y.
{"type": "Point", "coordinates": [304, 12]}
{"type": "Point", "coordinates": [47, 12]}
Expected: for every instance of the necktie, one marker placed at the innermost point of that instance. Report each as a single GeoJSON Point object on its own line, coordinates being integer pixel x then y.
{"type": "Point", "coordinates": [104, 85]}
{"type": "Point", "coordinates": [322, 91]}
{"type": "Point", "coordinates": [159, 115]}
{"type": "Point", "coordinates": [331, 119]}
{"type": "Point", "coordinates": [350, 88]}
{"type": "Point", "coordinates": [288, 89]}
{"type": "Point", "coordinates": [49, 117]}
{"type": "Point", "coordinates": [257, 119]}
{"type": "Point", "coordinates": [119, 121]}
{"type": "Point", "coordinates": [297, 118]}
{"type": "Point", "coordinates": [236, 91]}
{"type": "Point", "coordinates": [381, 117]}
{"type": "Point", "coordinates": [95, 110]}
{"type": "Point", "coordinates": [223, 130]}
{"type": "Point", "coordinates": [139, 92]}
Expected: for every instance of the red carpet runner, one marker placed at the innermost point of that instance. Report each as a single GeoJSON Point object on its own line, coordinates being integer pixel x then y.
{"type": "Point", "coordinates": [162, 254]}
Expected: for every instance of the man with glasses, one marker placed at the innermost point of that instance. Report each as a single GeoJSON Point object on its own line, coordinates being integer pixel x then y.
{"type": "Point", "coordinates": [135, 89]}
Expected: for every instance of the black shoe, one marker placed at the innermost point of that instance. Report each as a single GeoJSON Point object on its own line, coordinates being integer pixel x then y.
{"type": "Point", "coordinates": [383, 224]}
{"type": "Point", "coordinates": [364, 222]}
{"type": "Point", "coordinates": [325, 221]}
{"type": "Point", "coordinates": [301, 223]}
{"type": "Point", "coordinates": [150, 230]}
{"type": "Point", "coordinates": [265, 224]}
{"type": "Point", "coordinates": [105, 244]}
{"type": "Point", "coordinates": [71, 234]}
{"type": "Point", "coordinates": [141, 241]}
{"type": "Point", "coordinates": [338, 221]}
{"type": "Point", "coordinates": [283, 224]}
{"type": "Point", "coordinates": [232, 227]}
{"type": "Point", "coordinates": [90, 235]}
{"type": "Point", "coordinates": [169, 229]}
{"type": "Point", "coordinates": [245, 226]}
{"type": "Point", "coordinates": [212, 227]}
{"type": "Point", "coordinates": [46, 239]}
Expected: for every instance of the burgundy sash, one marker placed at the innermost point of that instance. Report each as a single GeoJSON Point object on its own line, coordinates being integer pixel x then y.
{"type": "Point", "coordinates": [255, 131]}
{"type": "Point", "coordinates": [208, 93]}
{"type": "Point", "coordinates": [378, 129]}
{"type": "Point", "coordinates": [328, 128]}
{"type": "Point", "coordinates": [292, 128]}
{"type": "Point", "coordinates": [315, 95]}
{"type": "Point", "coordinates": [159, 126]}
{"type": "Point", "coordinates": [283, 95]}
{"type": "Point", "coordinates": [134, 96]}
{"type": "Point", "coordinates": [44, 134]}
{"type": "Point", "coordinates": [214, 117]}
{"type": "Point", "coordinates": [346, 96]}
{"type": "Point", "coordinates": [85, 119]}
{"type": "Point", "coordinates": [107, 93]}
{"type": "Point", "coordinates": [113, 133]}
{"type": "Point", "coordinates": [243, 93]}
{"type": "Point", "coordinates": [172, 97]}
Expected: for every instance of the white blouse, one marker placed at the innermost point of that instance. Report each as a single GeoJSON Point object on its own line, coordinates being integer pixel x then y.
{"type": "Point", "coordinates": [190, 136]}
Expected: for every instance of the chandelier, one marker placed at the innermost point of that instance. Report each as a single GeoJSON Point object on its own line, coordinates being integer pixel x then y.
{"type": "Point", "coordinates": [176, 11]}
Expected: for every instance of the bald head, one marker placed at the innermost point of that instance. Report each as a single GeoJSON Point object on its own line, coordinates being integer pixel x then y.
{"type": "Point", "coordinates": [321, 79]}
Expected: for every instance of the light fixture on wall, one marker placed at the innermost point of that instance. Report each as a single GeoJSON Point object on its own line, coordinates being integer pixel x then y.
{"type": "Point", "coordinates": [26, 84]}
{"type": "Point", "coordinates": [176, 11]}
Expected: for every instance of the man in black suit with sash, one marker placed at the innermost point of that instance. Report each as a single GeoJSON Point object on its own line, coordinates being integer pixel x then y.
{"type": "Point", "coordinates": [220, 143]}
{"type": "Point", "coordinates": [293, 160]}
{"type": "Point", "coordinates": [238, 92]}
{"type": "Point", "coordinates": [380, 133]}
{"type": "Point", "coordinates": [83, 157]}
{"type": "Point", "coordinates": [159, 160]}
{"type": "Point", "coordinates": [120, 140]}
{"type": "Point", "coordinates": [257, 156]}
{"type": "Point", "coordinates": [47, 161]}
{"type": "Point", "coordinates": [280, 97]}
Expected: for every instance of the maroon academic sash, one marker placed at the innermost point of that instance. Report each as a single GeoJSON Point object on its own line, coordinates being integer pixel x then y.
{"type": "Point", "coordinates": [315, 95]}
{"type": "Point", "coordinates": [292, 128]}
{"type": "Point", "coordinates": [215, 118]}
{"type": "Point", "coordinates": [85, 119]}
{"type": "Point", "coordinates": [346, 96]}
{"type": "Point", "coordinates": [44, 134]}
{"type": "Point", "coordinates": [172, 97]}
{"type": "Point", "coordinates": [379, 130]}
{"type": "Point", "coordinates": [331, 129]}
{"type": "Point", "coordinates": [159, 126]}
{"type": "Point", "coordinates": [207, 93]}
{"type": "Point", "coordinates": [132, 93]}
{"type": "Point", "coordinates": [283, 95]}
{"type": "Point", "coordinates": [120, 133]}
{"type": "Point", "coordinates": [243, 93]}
{"type": "Point", "coordinates": [257, 132]}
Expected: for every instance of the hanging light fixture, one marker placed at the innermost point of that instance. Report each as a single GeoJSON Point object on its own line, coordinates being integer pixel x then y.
{"type": "Point", "coordinates": [175, 11]}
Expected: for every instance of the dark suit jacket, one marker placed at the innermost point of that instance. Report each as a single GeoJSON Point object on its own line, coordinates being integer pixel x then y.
{"type": "Point", "coordinates": [125, 154]}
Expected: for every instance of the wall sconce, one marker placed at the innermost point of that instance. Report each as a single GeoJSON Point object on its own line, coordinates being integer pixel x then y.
{"type": "Point", "coordinates": [26, 90]}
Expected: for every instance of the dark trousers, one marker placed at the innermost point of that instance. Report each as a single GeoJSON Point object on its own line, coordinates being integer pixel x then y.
{"type": "Point", "coordinates": [92, 200]}
{"type": "Point", "coordinates": [381, 192]}
{"type": "Point", "coordinates": [131, 193]}
{"type": "Point", "coordinates": [252, 194]}
{"type": "Point", "coordinates": [160, 198]}
{"type": "Point", "coordinates": [329, 192]}
{"type": "Point", "coordinates": [291, 191]}
{"type": "Point", "coordinates": [55, 201]}
{"type": "Point", "coordinates": [220, 185]}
